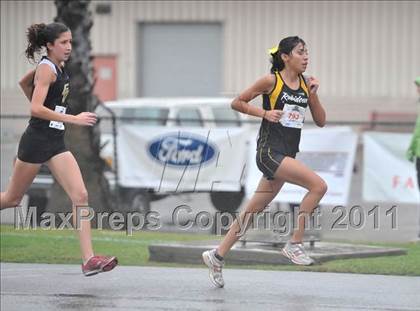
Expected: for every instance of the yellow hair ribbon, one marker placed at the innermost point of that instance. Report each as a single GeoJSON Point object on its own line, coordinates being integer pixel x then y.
{"type": "Point", "coordinates": [273, 50]}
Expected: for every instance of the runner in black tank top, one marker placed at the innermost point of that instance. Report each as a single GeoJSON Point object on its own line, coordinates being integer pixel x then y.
{"type": "Point", "coordinates": [47, 88]}
{"type": "Point", "coordinates": [286, 95]}
{"type": "Point", "coordinates": [43, 138]}
{"type": "Point", "coordinates": [56, 100]}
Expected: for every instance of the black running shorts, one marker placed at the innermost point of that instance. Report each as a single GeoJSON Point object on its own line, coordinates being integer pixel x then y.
{"type": "Point", "coordinates": [268, 160]}
{"type": "Point", "coordinates": [38, 146]}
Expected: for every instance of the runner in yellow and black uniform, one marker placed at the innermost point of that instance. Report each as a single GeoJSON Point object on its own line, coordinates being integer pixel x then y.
{"type": "Point", "coordinates": [286, 95]}
{"type": "Point", "coordinates": [277, 140]}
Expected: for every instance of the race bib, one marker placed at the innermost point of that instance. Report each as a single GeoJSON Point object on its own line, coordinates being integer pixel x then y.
{"type": "Point", "coordinates": [55, 124]}
{"type": "Point", "coordinates": [293, 116]}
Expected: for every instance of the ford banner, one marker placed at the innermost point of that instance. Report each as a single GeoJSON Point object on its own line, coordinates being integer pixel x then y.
{"type": "Point", "coordinates": [182, 149]}
{"type": "Point", "coordinates": [181, 159]}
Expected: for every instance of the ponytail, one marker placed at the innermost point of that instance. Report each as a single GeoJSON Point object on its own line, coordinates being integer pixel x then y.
{"type": "Point", "coordinates": [36, 40]}
{"type": "Point", "coordinates": [277, 62]}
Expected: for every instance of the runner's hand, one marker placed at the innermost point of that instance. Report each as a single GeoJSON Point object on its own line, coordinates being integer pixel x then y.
{"type": "Point", "coordinates": [313, 84]}
{"type": "Point", "coordinates": [273, 115]}
{"type": "Point", "coordinates": [86, 119]}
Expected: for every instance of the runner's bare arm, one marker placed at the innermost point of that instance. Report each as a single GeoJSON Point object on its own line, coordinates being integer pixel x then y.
{"type": "Point", "coordinates": [261, 86]}
{"type": "Point", "coordinates": [43, 78]}
{"type": "Point", "coordinates": [317, 111]}
{"type": "Point", "coordinates": [27, 84]}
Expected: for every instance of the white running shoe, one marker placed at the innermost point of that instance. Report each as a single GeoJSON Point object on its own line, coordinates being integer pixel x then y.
{"type": "Point", "coordinates": [296, 253]}
{"type": "Point", "coordinates": [215, 267]}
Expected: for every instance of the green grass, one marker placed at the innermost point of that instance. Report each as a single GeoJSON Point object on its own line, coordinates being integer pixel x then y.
{"type": "Point", "coordinates": [62, 246]}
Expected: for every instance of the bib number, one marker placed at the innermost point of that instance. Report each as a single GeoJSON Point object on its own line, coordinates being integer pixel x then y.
{"type": "Point", "coordinates": [55, 124]}
{"type": "Point", "coordinates": [293, 116]}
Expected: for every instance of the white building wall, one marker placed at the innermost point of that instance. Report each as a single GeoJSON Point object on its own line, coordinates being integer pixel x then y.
{"type": "Point", "coordinates": [364, 53]}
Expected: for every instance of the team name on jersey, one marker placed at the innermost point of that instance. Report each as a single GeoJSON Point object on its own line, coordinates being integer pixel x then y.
{"type": "Point", "coordinates": [297, 99]}
{"type": "Point", "coordinates": [65, 93]}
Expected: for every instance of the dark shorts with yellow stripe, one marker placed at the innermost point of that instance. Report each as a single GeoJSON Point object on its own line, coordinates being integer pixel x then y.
{"type": "Point", "coordinates": [269, 159]}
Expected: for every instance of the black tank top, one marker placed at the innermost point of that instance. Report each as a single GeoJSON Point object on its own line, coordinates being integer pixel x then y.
{"type": "Point", "coordinates": [285, 135]}
{"type": "Point", "coordinates": [56, 100]}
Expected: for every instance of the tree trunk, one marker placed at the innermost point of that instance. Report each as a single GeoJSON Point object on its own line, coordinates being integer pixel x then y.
{"type": "Point", "coordinates": [83, 142]}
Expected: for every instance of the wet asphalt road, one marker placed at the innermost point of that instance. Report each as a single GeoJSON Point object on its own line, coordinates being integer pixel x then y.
{"type": "Point", "coordinates": [62, 287]}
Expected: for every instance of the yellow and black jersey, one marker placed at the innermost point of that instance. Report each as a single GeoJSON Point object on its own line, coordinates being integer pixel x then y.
{"type": "Point", "coordinates": [284, 136]}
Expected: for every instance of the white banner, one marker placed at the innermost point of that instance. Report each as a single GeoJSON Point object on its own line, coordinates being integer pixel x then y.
{"type": "Point", "coordinates": [388, 175]}
{"type": "Point", "coordinates": [329, 152]}
{"type": "Point", "coordinates": [181, 159]}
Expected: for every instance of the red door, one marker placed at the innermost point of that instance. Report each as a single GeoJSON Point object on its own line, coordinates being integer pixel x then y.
{"type": "Point", "coordinates": [105, 73]}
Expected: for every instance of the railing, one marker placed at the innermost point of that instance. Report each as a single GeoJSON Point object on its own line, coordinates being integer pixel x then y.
{"type": "Point", "coordinates": [11, 130]}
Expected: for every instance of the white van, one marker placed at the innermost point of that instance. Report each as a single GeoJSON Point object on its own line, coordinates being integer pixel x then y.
{"type": "Point", "coordinates": [204, 112]}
